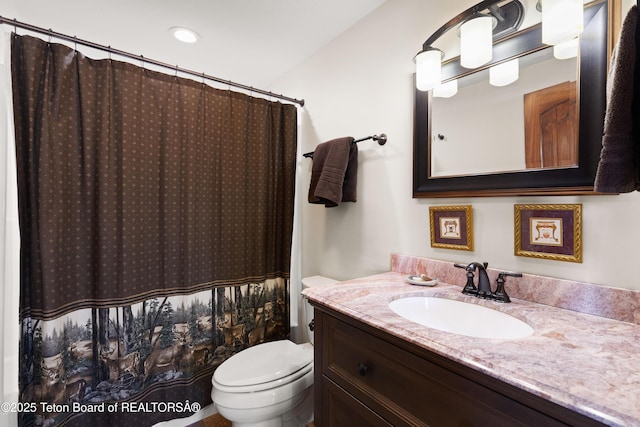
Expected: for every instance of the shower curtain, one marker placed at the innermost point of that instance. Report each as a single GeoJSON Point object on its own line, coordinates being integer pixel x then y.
{"type": "Point", "coordinates": [10, 247]}
{"type": "Point", "coordinates": [156, 216]}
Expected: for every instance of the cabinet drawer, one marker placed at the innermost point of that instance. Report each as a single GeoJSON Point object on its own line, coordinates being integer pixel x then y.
{"type": "Point", "coordinates": [406, 389]}
{"type": "Point", "coordinates": [343, 410]}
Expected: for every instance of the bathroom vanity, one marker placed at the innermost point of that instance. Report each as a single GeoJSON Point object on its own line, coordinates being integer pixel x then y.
{"type": "Point", "coordinates": [369, 378]}
{"type": "Point", "coordinates": [376, 368]}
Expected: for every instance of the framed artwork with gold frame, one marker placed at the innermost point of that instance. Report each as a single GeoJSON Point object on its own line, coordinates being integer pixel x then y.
{"type": "Point", "coordinates": [451, 227]}
{"type": "Point", "coordinates": [548, 232]}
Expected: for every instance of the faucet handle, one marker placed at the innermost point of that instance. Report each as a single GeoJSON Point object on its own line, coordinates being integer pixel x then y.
{"type": "Point", "coordinates": [507, 273]}
{"type": "Point", "coordinates": [472, 266]}
{"type": "Point", "coordinates": [469, 287]}
{"type": "Point", "coordinates": [500, 294]}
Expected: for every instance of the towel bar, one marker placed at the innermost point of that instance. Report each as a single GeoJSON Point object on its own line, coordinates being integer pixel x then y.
{"type": "Point", "coordinates": [380, 139]}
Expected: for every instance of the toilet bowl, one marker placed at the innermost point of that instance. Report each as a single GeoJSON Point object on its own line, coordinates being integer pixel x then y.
{"type": "Point", "coordinates": [269, 384]}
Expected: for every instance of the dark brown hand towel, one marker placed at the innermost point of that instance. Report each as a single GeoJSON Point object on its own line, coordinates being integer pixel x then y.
{"type": "Point", "coordinates": [617, 170]}
{"type": "Point", "coordinates": [334, 172]}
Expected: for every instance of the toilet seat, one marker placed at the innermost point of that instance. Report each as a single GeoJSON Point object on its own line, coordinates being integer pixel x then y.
{"type": "Point", "coordinates": [264, 386]}
{"type": "Point", "coordinates": [263, 367]}
{"type": "Point", "coordinates": [276, 398]}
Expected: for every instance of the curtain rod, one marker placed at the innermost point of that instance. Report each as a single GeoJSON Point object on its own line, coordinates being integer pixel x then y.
{"type": "Point", "coordinates": [380, 139]}
{"type": "Point", "coordinates": [17, 24]}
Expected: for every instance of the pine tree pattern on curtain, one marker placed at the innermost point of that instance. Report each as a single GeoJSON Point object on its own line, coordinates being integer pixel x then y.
{"type": "Point", "coordinates": [156, 216]}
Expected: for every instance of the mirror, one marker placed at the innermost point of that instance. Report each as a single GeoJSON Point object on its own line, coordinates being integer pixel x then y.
{"type": "Point", "coordinates": [543, 90]}
{"type": "Point", "coordinates": [488, 152]}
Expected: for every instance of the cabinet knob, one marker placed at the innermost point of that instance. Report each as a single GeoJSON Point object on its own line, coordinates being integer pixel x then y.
{"type": "Point", "coordinates": [312, 325]}
{"type": "Point", "coordinates": [362, 369]}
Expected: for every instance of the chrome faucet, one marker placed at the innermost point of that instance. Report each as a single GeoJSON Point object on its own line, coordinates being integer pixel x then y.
{"type": "Point", "coordinates": [483, 290]}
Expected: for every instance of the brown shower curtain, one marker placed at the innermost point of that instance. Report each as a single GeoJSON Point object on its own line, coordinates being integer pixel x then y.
{"type": "Point", "coordinates": [156, 217]}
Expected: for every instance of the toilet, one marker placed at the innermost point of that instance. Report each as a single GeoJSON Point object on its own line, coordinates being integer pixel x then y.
{"type": "Point", "coordinates": [269, 384]}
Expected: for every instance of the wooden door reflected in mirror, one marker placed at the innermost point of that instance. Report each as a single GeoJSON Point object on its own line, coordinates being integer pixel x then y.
{"type": "Point", "coordinates": [551, 139]}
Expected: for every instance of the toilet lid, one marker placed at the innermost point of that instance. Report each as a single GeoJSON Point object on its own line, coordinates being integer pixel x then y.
{"type": "Point", "coordinates": [263, 363]}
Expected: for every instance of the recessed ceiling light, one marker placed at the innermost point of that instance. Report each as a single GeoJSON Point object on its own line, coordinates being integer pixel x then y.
{"type": "Point", "coordinates": [184, 34]}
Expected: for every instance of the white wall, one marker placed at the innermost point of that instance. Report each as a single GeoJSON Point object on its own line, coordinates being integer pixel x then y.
{"type": "Point", "coordinates": [361, 84]}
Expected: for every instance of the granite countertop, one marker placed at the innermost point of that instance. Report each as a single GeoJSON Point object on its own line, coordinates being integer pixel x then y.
{"type": "Point", "coordinates": [587, 363]}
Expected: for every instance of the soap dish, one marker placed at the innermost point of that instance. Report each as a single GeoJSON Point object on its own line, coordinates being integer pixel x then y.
{"type": "Point", "coordinates": [419, 281]}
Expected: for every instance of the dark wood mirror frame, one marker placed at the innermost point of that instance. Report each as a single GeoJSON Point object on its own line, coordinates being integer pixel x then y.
{"type": "Point", "coordinates": [593, 61]}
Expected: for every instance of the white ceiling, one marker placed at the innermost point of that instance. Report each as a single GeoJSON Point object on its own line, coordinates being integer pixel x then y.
{"type": "Point", "coordinates": [252, 42]}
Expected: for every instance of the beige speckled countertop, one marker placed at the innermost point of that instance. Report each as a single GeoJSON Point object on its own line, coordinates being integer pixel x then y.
{"type": "Point", "coordinates": [587, 363]}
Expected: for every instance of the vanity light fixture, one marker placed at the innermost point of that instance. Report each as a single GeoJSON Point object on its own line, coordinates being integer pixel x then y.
{"type": "Point", "coordinates": [562, 20]}
{"type": "Point", "coordinates": [504, 74]}
{"type": "Point", "coordinates": [185, 35]}
{"type": "Point", "coordinates": [476, 40]}
{"type": "Point", "coordinates": [446, 90]}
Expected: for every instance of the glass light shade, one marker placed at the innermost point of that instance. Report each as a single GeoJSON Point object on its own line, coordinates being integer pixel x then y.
{"type": "Point", "coordinates": [566, 50]}
{"type": "Point", "coordinates": [562, 20]}
{"type": "Point", "coordinates": [476, 41]}
{"type": "Point", "coordinates": [504, 74]}
{"type": "Point", "coordinates": [446, 90]}
{"type": "Point", "coordinates": [428, 69]}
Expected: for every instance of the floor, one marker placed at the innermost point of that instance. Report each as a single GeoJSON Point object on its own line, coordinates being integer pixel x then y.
{"type": "Point", "coordinates": [217, 420]}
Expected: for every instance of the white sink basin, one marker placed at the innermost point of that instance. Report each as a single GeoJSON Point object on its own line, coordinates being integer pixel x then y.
{"type": "Point", "coordinates": [460, 317]}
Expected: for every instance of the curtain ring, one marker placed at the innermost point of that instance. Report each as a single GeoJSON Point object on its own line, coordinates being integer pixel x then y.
{"type": "Point", "coordinates": [109, 52]}
{"type": "Point", "coordinates": [142, 61]}
{"type": "Point", "coordinates": [176, 70]}
{"type": "Point", "coordinates": [50, 31]}
{"type": "Point", "coordinates": [75, 44]}
{"type": "Point", "coordinates": [203, 75]}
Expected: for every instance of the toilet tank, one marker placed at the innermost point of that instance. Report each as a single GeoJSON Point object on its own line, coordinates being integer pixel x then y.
{"type": "Point", "coordinates": [310, 282]}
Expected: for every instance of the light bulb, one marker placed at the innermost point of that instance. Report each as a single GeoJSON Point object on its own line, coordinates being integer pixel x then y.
{"type": "Point", "coordinates": [476, 41]}
{"type": "Point", "coordinates": [446, 90]}
{"type": "Point", "coordinates": [184, 34]}
{"type": "Point", "coordinates": [504, 74]}
{"type": "Point", "coordinates": [428, 69]}
{"type": "Point", "coordinates": [562, 20]}
{"type": "Point", "coordinates": [566, 50]}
